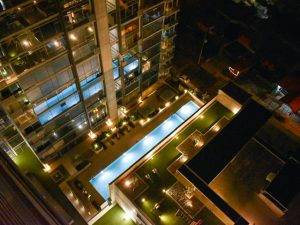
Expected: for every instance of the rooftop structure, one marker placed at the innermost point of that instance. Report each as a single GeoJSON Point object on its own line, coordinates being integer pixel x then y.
{"type": "Point", "coordinates": [182, 180]}
{"type": "Point", "coordinates": [284, 187]}
{"type": "Point", "coordinates": [220, 150]}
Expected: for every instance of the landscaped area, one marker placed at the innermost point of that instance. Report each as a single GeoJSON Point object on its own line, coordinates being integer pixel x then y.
{"type": "Point", "coordinates": [146, 144]}
{"type": "Point", "coordinates": [154, 200]}
{"type": "Point", "coordinates": [115, 216]}
{"type": "Point", "coordinates": [28, 163]}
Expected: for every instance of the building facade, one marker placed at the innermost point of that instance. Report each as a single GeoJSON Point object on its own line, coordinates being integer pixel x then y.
{"type": "Point", "coordinates": [68, 66]}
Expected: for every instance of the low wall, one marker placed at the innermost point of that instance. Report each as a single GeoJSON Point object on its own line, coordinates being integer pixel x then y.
{"type": "Point", "coordinates": [228, 102]}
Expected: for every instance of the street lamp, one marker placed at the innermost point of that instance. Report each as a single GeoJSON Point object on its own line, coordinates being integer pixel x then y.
{"type": "Point", "coordinates": [202, 46]}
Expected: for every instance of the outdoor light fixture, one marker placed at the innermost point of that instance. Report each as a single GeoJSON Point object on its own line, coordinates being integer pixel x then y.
{"type": "Point", "coordinates": [140, 100]}
{"type": "Point", "coordinates": [201, 116]}
{"type": "Point", "coordinates": [127, 183]}
{"type": "Point", "coordinates": [90, 29]}
{"type": "Point", "coordinates": [46, 168]}
{"type": "Point", "coordinates": [216, 128]}
{"type": "Point", "coordinates": [184, 158]}
{"type": "Point", "coordinates": [73, 37]}
{"type": "Point", "coordinates": [167, 104]}
{"type": "Point", "coordinates": [109, 123]}
{"type": "Point", "coordinates": [92, 135]}
{"type": "Point", "coordinates": [56, 43]}
{"type": "Point", "coordinates": [80, 126]}
{"type": "Point", "coordinates": [176, 97]}
{"type": "Point", "coordinates": [26, 43]}
{"type": "Point", "coordinates": [71, 195]}
{"type": "Point", "coordinates": [143, 199]}
{"type": "Point", "coordinates": [235, 110]}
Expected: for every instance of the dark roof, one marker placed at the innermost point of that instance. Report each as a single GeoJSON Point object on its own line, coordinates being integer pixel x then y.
{"type": "Point", "coordinates": [286, 185]}
{"type": "Point", "coordinates": [210, 194]}
{"type": "Point", "coordinates": [226, 145]}
{"type": "Point", "coordinates": [236, 50]}
{"type": "Point", "coordinates": [236, 93]}
{"type": "Point", "coordinates": [296, 155]}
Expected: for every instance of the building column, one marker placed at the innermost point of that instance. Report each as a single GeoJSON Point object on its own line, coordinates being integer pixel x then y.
{"type": "Point", "coordinates": [106, 57]}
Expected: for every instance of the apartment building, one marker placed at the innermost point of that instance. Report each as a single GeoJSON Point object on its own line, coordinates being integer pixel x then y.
{"type": "Point", "coordinates": [66, 67]}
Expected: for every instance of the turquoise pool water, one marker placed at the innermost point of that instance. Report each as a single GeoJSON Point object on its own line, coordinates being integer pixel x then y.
{"type": "Point", "coordinates": [137, 151]}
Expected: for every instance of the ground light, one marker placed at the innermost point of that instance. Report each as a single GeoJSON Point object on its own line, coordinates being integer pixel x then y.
{"type": "Point", "coordinates": [109, 123]}
{"type": "Point", "coordinates": [46, 168]}
{"type": "Point", "coordinates": [166, 219]}
{"type": "Point", "coordinates": [127, 183]}
{"type": "Point", "coordinates": [92, 135]}
{"type": "Point", "coordinates": [184, 158]}
{"type": "Point", "coordinates": [140, 100]}
{"type": "Point", "coordinates": [216, 128]}
{"type": "Point", "coordinates": [235, 110]}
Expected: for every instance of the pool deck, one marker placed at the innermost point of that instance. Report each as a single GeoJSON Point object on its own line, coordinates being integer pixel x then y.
{"type": "Point", "coordinates": [165, 162]}
{"type": "Point", "coordinates": [144, 146]}
{"type": "Point", "coordinates": [104, 158]}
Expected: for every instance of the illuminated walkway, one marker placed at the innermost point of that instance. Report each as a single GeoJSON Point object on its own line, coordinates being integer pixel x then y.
{"type": "Point", "coordinates": [141, 148]}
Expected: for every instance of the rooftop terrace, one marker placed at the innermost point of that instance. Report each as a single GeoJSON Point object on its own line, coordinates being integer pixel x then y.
{"type": "Point", "coordinates": [226, 145]}
{"type": "Point", "coordinates": [286, 184]}
{"type": "Point", "coordinates": [152, 182]}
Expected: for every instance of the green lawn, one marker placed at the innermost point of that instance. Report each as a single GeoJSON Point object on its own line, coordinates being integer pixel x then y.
{"type": "Point", "coordinates": [162, 160]}
{"type": "Point", "coordinates": [28, 162]}
{"type": "Point", "coordinates": [115, 216]}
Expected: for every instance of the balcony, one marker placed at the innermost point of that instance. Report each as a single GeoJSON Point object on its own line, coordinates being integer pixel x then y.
{"type": "Point", "coordinates": [153, 14]}
{"type": "Point", "coordinates": [110, 5]}
{"type": "Point", "coordinates": [16, 105]}
{"type": "Point", "coordinates": [34, 58]}
{"type": "Point", "coordinates": [150, 3]}
{"type": "Point", "coordinates": [78, 17]}
{"type": "Point", "coordinates": [171, 10]}
{"type": "Point", "coordinates": [150, 42]}
{"type": "Point", "coordinates": [170, 21]}
{"type": "Point", "coordinates": [128, 9]}
{"type": "Point", "coordinates": [81, 35]}
{"type": "Point", "coordinates": [152, 27]}
{"type": "Point", "coordinates": [168, 34]}
{"type": "Point", "coordinates": [24, 17]}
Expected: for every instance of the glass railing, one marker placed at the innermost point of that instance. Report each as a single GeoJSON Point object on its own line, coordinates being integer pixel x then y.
{"type": "Point", "coordinates": [153, 14]}
{"type": "Point", "coordinates": [25, 16]}
{"type": "Point", "coordinates": [149, 3]}
{"type": "Point", "coordinates": [77, 17]}
{"type": "Point", "coordinates": [34, 58]}
{"type": "Point", "coordinates": [152, 28]}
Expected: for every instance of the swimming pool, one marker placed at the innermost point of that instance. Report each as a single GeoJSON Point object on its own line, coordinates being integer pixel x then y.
{"type": "Point", "coordinates": [137, 151]}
